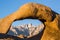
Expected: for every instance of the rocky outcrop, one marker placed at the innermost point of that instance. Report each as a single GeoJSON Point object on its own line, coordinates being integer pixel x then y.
{"type": "Point", "coordinates": [9, 37]}
{"type": "Point", "coordinates": [29, 10]}
{"type": "Point", "coordinates": [49, 18]}
{"type": "Point", "coordinates": [52, 29]}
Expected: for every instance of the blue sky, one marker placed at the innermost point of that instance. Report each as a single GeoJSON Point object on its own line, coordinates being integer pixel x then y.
{"type": "Point", "coordinates": [9, 6]}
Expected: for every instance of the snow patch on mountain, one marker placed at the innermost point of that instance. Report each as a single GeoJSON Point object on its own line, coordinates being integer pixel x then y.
{"type": "Point", "coordinates": [26, 30]}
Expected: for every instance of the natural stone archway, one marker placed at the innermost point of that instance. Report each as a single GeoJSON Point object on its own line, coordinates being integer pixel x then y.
{"type": "Point", "coordinates": [30, 10]}
{"type": "Point", "coordinates": [35, 11]}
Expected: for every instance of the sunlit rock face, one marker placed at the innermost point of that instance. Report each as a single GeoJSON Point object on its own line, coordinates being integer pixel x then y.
{"type": "Point", "coordinates": [52, 30]}
{"type": "Point", "coordinates": [48, 17]}
{"type": "Point", "coordinates": [26, 11]}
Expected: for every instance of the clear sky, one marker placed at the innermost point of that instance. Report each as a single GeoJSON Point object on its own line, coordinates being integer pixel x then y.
{"type": "Point", "coordinates": [9, 6]}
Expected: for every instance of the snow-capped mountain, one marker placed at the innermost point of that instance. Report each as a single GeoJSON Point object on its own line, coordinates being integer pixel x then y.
{"type": "Point", "coordinates": [26, 30]}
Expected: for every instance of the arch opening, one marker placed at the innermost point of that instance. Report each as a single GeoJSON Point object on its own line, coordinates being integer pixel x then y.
{"type": "Point", "coordinates": [26, 27]}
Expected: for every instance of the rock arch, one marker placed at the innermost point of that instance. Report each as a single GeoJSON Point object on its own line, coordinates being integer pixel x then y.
{"type": "Point", "coordinates": [49, 18]}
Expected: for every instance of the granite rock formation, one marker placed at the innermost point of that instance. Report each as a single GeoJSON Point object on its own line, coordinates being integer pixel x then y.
{"type": "Point", "coordinates": [28, 30]}
{"type": "Point", "coordinates": [48, 17]}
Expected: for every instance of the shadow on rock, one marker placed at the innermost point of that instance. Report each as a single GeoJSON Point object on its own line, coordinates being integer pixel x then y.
{"type": "Point", "coordinates": [8, 37]}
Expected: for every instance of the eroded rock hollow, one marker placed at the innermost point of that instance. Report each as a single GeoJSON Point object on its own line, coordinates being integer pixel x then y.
{"type": "Point", "coordinates": [46, 15]}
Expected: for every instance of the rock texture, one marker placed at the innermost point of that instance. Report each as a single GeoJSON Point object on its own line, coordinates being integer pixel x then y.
{"type": "Point", "coordinates": [9, 37]}
{"type": "Point", "coordinates": [49, 18]}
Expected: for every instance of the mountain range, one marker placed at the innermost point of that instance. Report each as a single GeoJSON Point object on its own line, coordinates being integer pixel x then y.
{"type": "Point", "coordinates": [25, 29]}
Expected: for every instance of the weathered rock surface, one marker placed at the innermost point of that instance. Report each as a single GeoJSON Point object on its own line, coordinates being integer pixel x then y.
{"type": "Point", "coordinates": [49, 18]}
{"type": "Point", "coordinates": [29, 10]}
{"type": "Point", "coordinates": [9, 37]}
{"type": "Point", "coordinates": [52, 29]}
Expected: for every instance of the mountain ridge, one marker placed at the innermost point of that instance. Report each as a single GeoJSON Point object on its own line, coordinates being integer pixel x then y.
{"type": "Point", "coordinates": [26, 30]}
